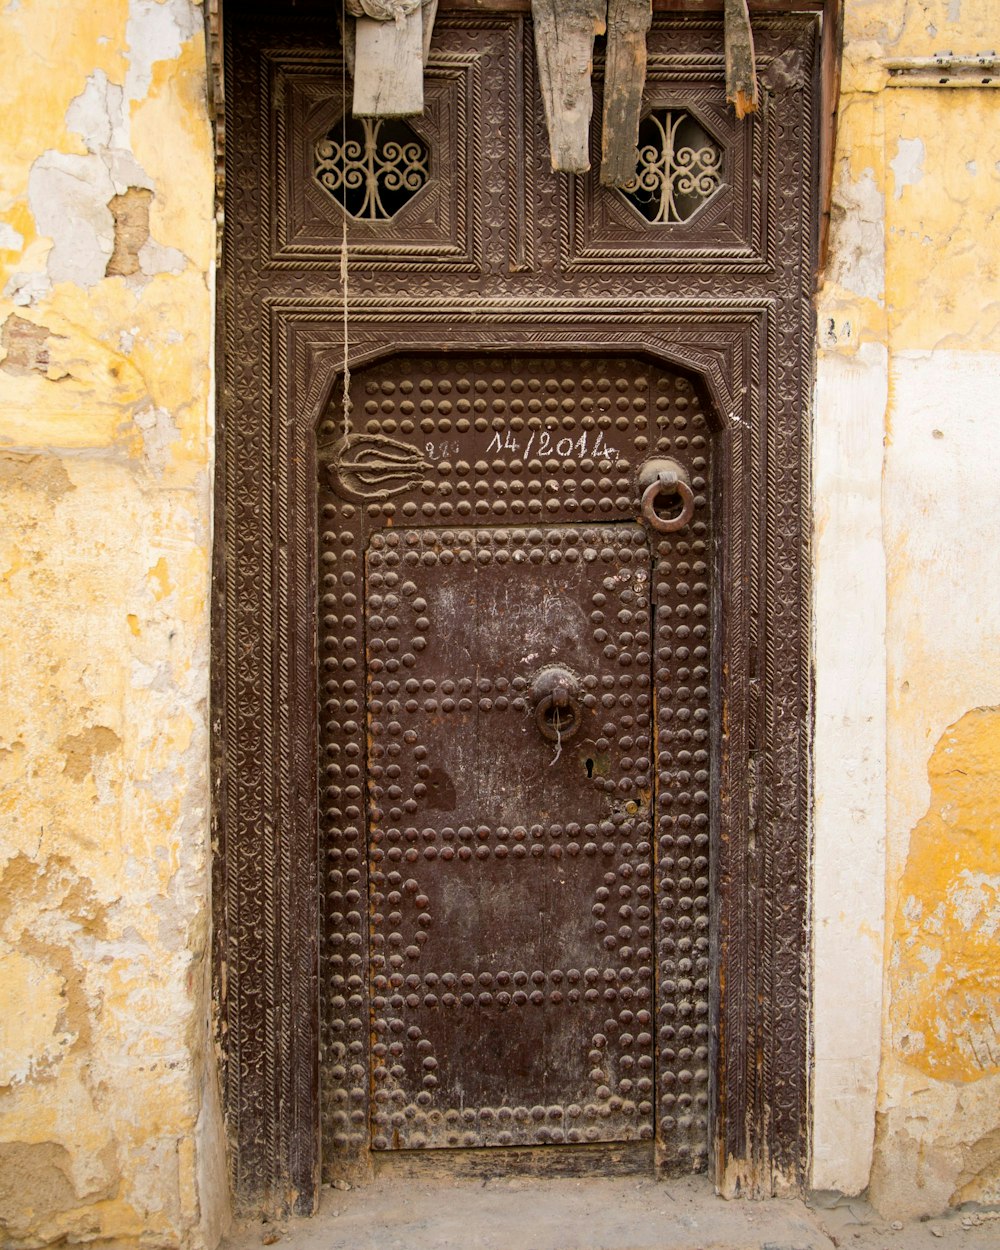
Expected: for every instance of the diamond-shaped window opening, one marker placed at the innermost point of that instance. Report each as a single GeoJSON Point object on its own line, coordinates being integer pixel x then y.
{"type": "Point", "coordinates": [371, 166]}
{"type": "Point", "coordinates": [679, 167]}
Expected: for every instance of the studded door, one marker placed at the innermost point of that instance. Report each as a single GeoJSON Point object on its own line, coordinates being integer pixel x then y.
{"type": "Point", "coordinates": [516, 675]}
{"type": "Point", "coordinates": [510, 851]}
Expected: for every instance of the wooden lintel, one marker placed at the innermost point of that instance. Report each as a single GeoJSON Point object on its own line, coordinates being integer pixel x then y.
{"type": "Point", "coordinates": [564, 40]}
{"type": "Point", "coordinates": [389, 66]}
{"type": "Point", "coordinates": [624, 79]}
{"type": "Point", "coordinates": [741, 65]}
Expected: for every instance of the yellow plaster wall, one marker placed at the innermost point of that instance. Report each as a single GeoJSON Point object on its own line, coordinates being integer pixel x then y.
{"type": "Point", "coordinates": [109, 1125]}
{"type": "Point", "coordinates": [914, 273]}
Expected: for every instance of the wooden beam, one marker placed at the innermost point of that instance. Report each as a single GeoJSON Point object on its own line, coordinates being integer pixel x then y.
{"type": "Point", "coordinates": [624, 79]}
{"type": "Point", "coordinates": [831, 46]}
{"type": "Point", "coordinates": [741, 65]}
{"type": "Point", "coordinates": [659, 6]}
{"type": "Point", "coordinates": [429, 11]}
{"type": "Point", "coordinates": [564, 40]}
{"type": "Point", "coordinates": [389, 66]}
{"type": "Point", "coordinates": [346, 23]}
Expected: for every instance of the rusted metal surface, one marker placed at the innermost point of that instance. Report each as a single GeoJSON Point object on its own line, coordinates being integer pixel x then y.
{"type": "Point", "coordinates": [667, 503]}
{"type": "Point", "coordinates": [497, 272]}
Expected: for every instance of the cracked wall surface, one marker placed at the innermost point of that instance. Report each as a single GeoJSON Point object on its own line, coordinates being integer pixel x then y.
{"type": "Point", "coordinates": [907, 1084]}
{"type": "Point", "coordinates": [109, 1123]}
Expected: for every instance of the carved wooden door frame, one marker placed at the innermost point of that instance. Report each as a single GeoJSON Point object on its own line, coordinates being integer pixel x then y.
{"type": "Point", "coordinates": [266, 878]}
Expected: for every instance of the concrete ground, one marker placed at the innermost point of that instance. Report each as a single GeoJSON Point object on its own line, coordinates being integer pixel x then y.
{"type": "Point", "coordinates": [628, 1213]}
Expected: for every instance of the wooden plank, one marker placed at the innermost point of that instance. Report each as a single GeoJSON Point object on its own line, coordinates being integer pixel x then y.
{"type": "Point", "coordinates": [624, 79]}
{"type": "Point", "coordinates": [430, 12]}
{"type": "Point", "coordinates": [603, 1159]}
{"type": "Point", "coordinates": [346, 23]}
{"type": "Point", "coordinates": [831, 44]}
{"type": "Point", "coordinates": [741, 65]}
{"type": "Point", "coordinates": [564, 40]}
{"type": "Point", "coordinates": [389, 67]}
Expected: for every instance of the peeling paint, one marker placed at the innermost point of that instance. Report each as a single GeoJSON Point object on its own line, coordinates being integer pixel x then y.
{"type": "Point", "coordinates": [909, 337]}
{"type": "Point", "coordinates": [109, 1117]}
{"type": "Point", "coordinates": [25, 346]}
{"type": "Point", "coordinates": [10, 239]}
{"type": "Point", "coordinates": [946, 1005]}
{"type": "Point", "coordinates": [908, 165]}
{"type": "Point", "coordinates": [857, 247]}
{"type": "Point", "coordinates": [130, 212]}
{"type": "Point", "coordinates": [81, 751]}
{"type": "Point", "coordinates": [938, 1130]}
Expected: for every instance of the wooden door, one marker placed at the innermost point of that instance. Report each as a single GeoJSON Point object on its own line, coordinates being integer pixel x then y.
{"type": "Point", "coordinates": [537, 741]}
{"type": "Point", "coordinates": [546, 885]}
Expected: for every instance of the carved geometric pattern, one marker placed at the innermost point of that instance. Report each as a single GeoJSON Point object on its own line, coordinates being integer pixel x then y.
{"type": "Point", "coordinates": [729, 221]}
{"type": "Point", "coordinates": [679, 167]}
{"type": "Point", "coordinates": [474, 134]}
{"type": "Point", "coordinates": [371, 167]}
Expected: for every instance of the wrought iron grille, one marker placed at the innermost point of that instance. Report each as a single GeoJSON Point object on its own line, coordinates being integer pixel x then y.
{"type": "Point", "coordinates": [679, 167]}
{"type": "Point", "coordinates": [371, 166]}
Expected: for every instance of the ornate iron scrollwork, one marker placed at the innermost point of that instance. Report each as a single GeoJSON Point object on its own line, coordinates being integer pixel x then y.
{"type": "Point", "coordinates": [372, 167]}
{"type": "Point", "coordinates": [679, 167]}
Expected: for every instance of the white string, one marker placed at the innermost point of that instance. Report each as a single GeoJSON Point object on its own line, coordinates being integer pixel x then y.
{"type": "Point", "coordinates": [558, 720]}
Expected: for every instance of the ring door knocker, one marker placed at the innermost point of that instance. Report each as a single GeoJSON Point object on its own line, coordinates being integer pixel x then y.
{"type": "Point", "coordinates": [555, 691]}
{"type": "Point", "coordinates": [663, 481]}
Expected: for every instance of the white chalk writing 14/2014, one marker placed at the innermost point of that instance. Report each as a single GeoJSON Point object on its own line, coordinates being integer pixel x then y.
{"type": "Point", "coordinates": [543, 443]}
{"type": "Point", "coordinates": [537, 442]}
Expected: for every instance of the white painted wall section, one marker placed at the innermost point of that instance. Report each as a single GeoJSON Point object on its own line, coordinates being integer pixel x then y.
{"type": "Point", "coordinates": [848, 762]}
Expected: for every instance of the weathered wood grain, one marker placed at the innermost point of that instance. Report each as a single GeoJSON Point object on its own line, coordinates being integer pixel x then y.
{"type": "Point", "coordinates": [346, 23]}
{"type": "Point", "coordinates": [741, 66]}
{"type": "Point", "coordinates": [389, 67]}
{"type": "Point", "coordinates": [429, 12]}
{"type": "Point", "coordinates": [624, 79]}
{"type": "Point", "coordinates": [564, 40]}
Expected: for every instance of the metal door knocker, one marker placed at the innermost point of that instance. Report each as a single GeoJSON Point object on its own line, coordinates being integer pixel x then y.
{"type": "Point", "coordinates": [555, 691]}
{"type": "Point", "coordinates": [661, 481]}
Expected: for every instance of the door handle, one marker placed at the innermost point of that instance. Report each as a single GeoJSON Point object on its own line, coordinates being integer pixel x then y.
{"type": "Point", "coordinates": [557, 710]}
{"type": "Point", "coordinates": [662, 480]}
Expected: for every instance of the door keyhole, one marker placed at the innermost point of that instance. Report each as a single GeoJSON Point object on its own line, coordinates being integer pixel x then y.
{"type": "Point", "coordinates": [589, 765]}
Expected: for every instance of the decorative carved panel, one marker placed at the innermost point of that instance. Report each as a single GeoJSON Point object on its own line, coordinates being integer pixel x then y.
{"type": "Point", "coordinates": [472, 135]}
{"type": "Point", "coordinates": [730, 231]}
